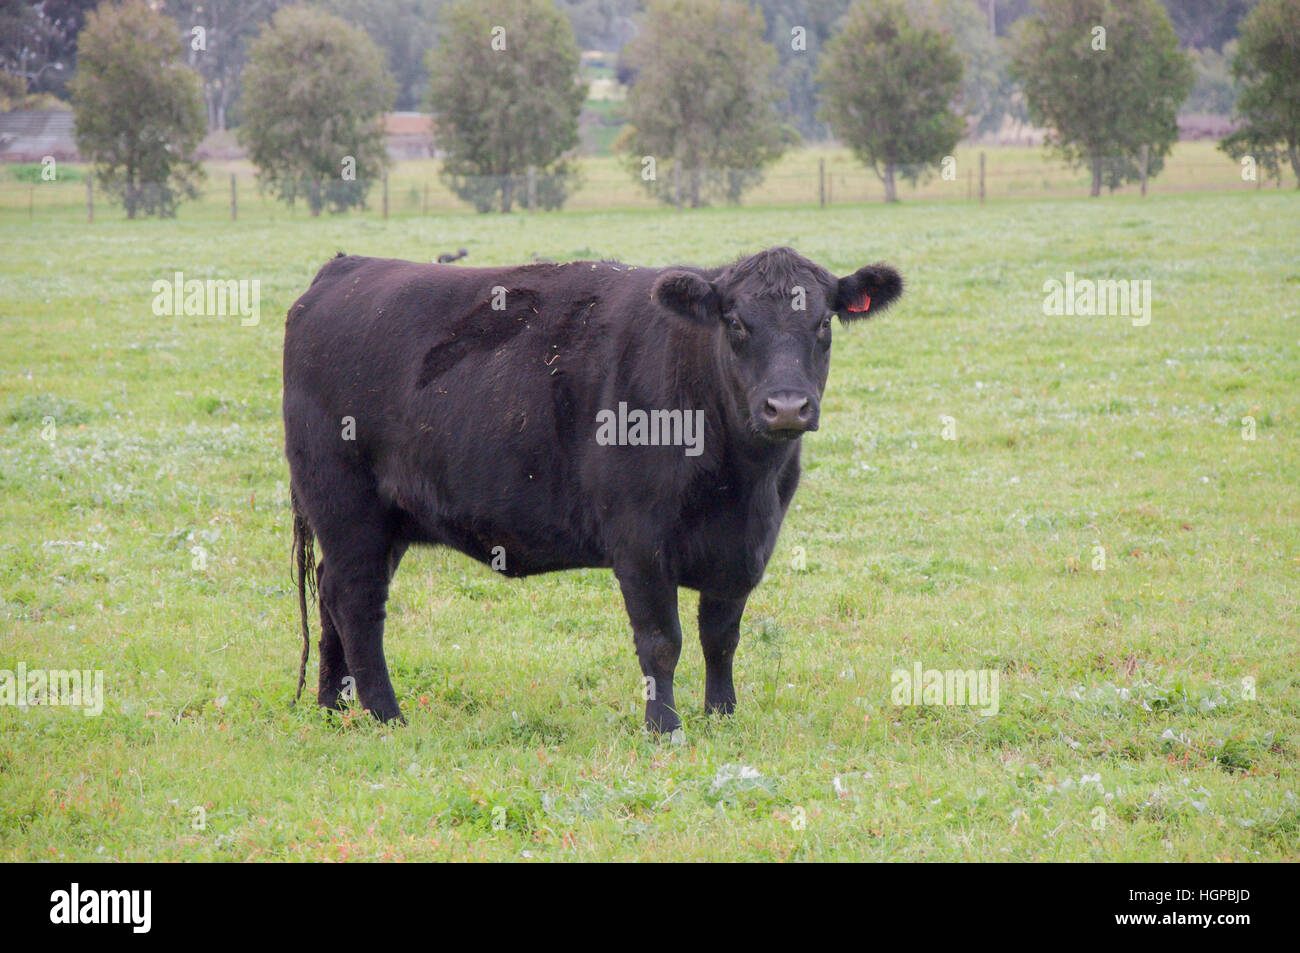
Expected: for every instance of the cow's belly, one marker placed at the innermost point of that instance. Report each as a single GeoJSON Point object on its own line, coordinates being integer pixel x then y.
{"type": "Point", "coordinates": [517, 531]}
{"type": "Point", "coordinates": [514, 548]}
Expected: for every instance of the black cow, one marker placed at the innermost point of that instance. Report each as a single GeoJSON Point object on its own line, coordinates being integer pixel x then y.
{"type": "Point", "coordinates": [547, 417]}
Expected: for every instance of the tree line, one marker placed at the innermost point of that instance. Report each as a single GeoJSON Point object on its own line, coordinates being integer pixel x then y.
{"type": "Point", "coordinates": [899, 82]}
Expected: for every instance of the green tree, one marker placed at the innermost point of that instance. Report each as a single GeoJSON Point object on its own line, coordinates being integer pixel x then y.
{"type": "Point", "coordinates": [889, 89]}
{"type": "Point", "coordinates": [1107, 78]}
{"type": "Point", "coordinates": [505, 92]}
{"type": "Point", "coordinates": [1267, 69]}
{"type": "Point", "coordinates": [139, 109]}
{"type": "Point", "coordinates": [705, 101]}
{"type": "Point", "coordinates": [315, 90]}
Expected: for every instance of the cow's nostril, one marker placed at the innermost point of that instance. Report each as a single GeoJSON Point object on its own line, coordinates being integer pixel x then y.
{"type": "Point", "coordinates": [783, 412]}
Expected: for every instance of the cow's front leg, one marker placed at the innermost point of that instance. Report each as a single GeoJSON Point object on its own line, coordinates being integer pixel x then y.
{"type": "Point", "coordinates": [651, 600]}
{"type": "Point", "coordinates": [719, 636]}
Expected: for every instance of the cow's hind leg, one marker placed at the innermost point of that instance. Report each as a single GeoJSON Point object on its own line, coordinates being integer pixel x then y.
{"type": "Point", "coordinates": [334, 671]}
{"type": "Point", "coordinates": [353, 593]}
{"type": "Point", "coordinates": [333, 664]}
{"type": "Point", "coordinates": [359, 547]}
{"type": "Point", "coordinates": [719, 636]}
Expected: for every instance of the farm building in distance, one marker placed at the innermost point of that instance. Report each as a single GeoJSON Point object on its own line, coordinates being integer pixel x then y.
{"type": "Point", "coordinates": [409, 135]}
{"type": "Point", "coordinates": [30, 135]}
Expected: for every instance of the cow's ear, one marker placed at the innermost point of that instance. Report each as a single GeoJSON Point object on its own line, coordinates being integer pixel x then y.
{"type": "Point", "coordinates": [867, 291]}
{"type": "Point", "coordinates": [687, 294]}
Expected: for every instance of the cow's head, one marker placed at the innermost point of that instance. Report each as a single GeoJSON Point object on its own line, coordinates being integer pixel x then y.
{"type": "Point", "coordinates": [771, 317]}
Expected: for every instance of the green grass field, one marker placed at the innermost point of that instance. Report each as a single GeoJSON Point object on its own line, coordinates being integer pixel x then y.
{"type": "Point", "coordinates": [1149, 710]}
{"type": "Point", "coordinates": [415, 189]}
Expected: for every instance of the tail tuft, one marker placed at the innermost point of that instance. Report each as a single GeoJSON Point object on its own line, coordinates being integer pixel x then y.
{"type": "Point", "coordinates": [305, 565]}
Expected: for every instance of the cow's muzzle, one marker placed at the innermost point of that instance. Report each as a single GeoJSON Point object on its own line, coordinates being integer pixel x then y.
{"type": "Point", "coordinates": [787, 415]}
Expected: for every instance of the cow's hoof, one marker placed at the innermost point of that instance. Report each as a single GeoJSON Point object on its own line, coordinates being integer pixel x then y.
{"type": "Point", "coordinates": [662, 721]}
{"type": "Point", "coordinates": [330, 701]}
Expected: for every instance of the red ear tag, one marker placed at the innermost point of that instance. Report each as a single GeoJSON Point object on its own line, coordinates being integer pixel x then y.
{"type": "Point", "coordinates": [863, 305]}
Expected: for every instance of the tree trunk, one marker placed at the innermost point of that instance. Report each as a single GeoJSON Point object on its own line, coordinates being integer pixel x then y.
{"type": "Point", "coordinates": [695, 187]}
{"type": "Point", "coordinates": [1096, 176]}
{"type": "Point", "coordinates": [890, 194]}
{"type": "Point", "coordinates": [507, 192]}
{"type": "Point", "coordinates": [1294, 153]}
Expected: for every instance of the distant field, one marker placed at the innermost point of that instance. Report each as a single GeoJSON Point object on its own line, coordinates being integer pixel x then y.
{"type": "Point", "coordinates": [1149, 710]}
{"type": "Point", "coordinates": [414, 187]}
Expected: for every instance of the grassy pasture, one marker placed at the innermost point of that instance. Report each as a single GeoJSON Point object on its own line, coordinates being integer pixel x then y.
{"type": "Point", "coordinates": [414, 188]}
{"type": "Point", "coordinates": [1149, 710]}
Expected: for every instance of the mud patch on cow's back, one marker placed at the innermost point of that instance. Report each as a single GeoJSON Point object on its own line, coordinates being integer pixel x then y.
{"type": "Point", "coordinates": [484, 329]}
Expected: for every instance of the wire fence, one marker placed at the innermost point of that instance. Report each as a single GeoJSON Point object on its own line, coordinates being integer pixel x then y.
{"type": "Point", "coordinates": [419, 189]}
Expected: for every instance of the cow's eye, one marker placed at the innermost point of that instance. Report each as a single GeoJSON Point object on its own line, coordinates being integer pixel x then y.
{"type": "Point", "coordinates": [735, 325]}
{"type": "Point", "coordinates": [826, 324]}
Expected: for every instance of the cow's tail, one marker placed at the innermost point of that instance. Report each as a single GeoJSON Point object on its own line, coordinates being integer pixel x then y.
{"type": "Point", "coordinates": [305, 567]}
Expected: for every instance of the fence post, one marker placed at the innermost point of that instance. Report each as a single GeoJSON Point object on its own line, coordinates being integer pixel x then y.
{"type": "Point", "coordinates": [677, 185]}
{"type": "Point", "coordinates": [821, 182]}
{"type": "Point", "coordinates": [532, 188]}
{"type": "Point", "coordinates": [90, 198]}
{"type": "Point", "coordinates": [385, 194]}
{"type": "Point", "coordinates": [981, 178]}
{"type": "Point", "coordinates": [1144, 169]}
{"type": "Point", "coordinates": [234, 209]}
